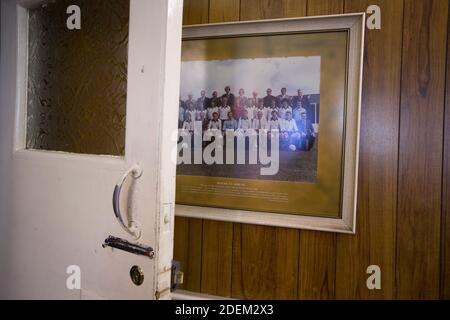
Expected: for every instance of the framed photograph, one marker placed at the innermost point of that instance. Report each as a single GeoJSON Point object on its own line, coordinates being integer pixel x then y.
{"type": "Point", "coordinates": [269, 122]}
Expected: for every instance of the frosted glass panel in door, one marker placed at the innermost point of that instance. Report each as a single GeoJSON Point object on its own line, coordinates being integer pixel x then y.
{"type": "Point", "coordinates": [77, 79]}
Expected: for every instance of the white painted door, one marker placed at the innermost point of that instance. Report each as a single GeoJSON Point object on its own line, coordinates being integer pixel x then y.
{"type": "Point", "coordinates": [56, 207]}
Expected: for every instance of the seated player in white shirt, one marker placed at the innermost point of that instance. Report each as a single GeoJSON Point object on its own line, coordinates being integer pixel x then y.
{"type": "Point", "coordinates": [224, 109]}
{"type": "Point", "coordinates": [200, 119]}
{"type": "Point", "coordinates": [215, 123]}
{"type": "Point", "coordinates": [211, 109]}
{"type": "Point", "coordinates": [285, 107]}
{"type": "Point", "coordinates": [245, 124]}
{"type": "Point", "coordinates": [188, 124]}
{"type": "Point", "coordinates": [260, 108]}
{"type": "Point", "coordinates": [187, 129]}
{"type": "Point", "coordinates": [214, 129]}
{"type": "Point", "coordinates": [274, 122]}
{"type": "Point", "coordinates": [260, 122]}
{"type": "Point", "coordinates": [289, 131]}
{"type": "Point", "coordinates": [191, 111]}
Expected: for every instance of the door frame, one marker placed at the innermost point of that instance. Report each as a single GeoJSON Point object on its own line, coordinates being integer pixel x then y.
{"type": "Point", "coordinates": [168, 73]}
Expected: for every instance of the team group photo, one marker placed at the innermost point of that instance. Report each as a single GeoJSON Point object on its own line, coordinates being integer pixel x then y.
{"type": "Point", "coordinates": [291, 115]}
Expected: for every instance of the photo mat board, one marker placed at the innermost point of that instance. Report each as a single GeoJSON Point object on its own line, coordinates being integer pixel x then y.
{"type": "Point", "coordinates": [323, 60]}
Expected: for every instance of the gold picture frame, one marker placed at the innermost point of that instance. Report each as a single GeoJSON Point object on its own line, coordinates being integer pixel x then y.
{"type": "Point", "coordinates": [328, 204]}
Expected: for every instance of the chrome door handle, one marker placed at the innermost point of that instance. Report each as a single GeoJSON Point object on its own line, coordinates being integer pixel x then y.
{"type": "Point", "coordinates": [132, 228]}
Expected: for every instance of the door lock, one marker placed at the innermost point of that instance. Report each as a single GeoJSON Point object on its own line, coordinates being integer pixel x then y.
{"type": "Point", "coordinates": [137, 275]}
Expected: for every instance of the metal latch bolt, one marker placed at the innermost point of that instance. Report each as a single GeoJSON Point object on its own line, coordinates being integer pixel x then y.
{"type": "Point", "coordinates": [124, 245]}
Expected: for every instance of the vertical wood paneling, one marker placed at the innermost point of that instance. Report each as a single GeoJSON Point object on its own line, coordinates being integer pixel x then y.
{"type": "Point", "coordinates": [265, 263]}
{"type": "Point", "coordinates": [223, 10]}
{"type": "Point", "coordinates": [421, 147]}
{"type": "Point", "coordinates": [294, 8]}
{"type": "Point", "coordinates": [195, 12]}
{"type": "Point", "coordinates": [325, 7]}
{"type": "Point", "coordinates": [317, 258]}
{"type": "Point", "coordinates": [217, 258]}
{"type": "Point", "coordinates": [317, 262]}
{"type": "Point", "coordinates": [445, 242]}
{"type": "Point", "coordinates": [272, 9]}
{"type": "Point", "coordinates": [445, 237]}
{"type": "Point", "coordinates": [400, 182]}
{"type": "Point", "coordinates": [187, 250]}
{"type": "Point", "coordinates": [374, 242]}
{"type": "Point", "coordinates": [218, 236]}
{"type": "Point", "coordinates": [265, 259]}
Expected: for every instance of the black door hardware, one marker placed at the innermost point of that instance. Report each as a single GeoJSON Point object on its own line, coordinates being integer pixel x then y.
{"type": "Point", "coordinates": [124, 245]}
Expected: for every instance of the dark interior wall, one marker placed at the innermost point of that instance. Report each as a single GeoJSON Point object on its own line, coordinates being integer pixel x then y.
{"type": "Point", "coordinates": [404, 181]}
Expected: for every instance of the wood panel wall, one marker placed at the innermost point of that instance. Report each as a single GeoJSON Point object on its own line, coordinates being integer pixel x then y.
{"type": "Point", "coordinates": [404, 183]}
